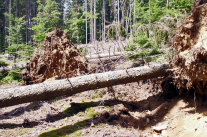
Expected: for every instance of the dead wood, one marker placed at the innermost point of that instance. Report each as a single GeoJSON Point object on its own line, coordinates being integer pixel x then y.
{"type": "Point", "coordinates": [190, 44]}
{"type": "Point", "coordinates": [58, 58]}
{"type": "Point", "coordinates": [70, 86]}
{"type": "Point", "coordinates": [104, 55]}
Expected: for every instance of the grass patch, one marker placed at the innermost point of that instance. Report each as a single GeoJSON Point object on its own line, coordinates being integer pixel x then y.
{"type": "Point", "coordinates": [99, 94]}
{"type": "Point", "coordinates": [67, 131]}
{"type": "Point", "coordinates": [12, 76]}
{"type": "Point", "coordinates": [23, 131]}
{"type": "Point", "coordinates": [91, 113]}
{"type": "Point", "coordinates": [108, 108]}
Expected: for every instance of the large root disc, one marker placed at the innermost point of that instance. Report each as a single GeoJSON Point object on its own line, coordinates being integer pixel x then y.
{"type": "Point", "coordinates": [190, 44]}
{"type": "Point", "coordinates": [57, 58]}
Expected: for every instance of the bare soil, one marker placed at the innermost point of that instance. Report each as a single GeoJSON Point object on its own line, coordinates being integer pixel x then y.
{"type": "Point", "coordinates": [140, 109]}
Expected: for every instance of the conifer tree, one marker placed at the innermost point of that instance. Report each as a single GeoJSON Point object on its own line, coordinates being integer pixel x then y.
{"type": "Point", "coordinates": [46, 20]}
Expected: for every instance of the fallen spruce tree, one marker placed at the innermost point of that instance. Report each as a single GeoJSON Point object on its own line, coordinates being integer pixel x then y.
{"type": "Point", "coordinates": [71, 86]}
{"type": "Point", "coordinates": [189, 67]}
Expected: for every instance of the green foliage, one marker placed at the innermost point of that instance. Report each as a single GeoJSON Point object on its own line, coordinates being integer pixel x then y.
{"type": "Point", "coordinates": [46, 20]}
{"type": "Point", "coordinates": [3, 64]}
{"type": "Point", "coordinates": [15, 30]}
{"type": "Point", "coordinates": [12, 76]}
{"type": "Point", "coordinates": [156, 24]}
{"type": "Point", "coordinates": [26, 51]}
{"type": "Point", "coordinates": [13, 49]}
{"type": "Point", "coordinates": [17, 47]}
{"type": "Point", "coordinates": [77, 26]}
{"type": "Point", "coordinates": [23, 51]}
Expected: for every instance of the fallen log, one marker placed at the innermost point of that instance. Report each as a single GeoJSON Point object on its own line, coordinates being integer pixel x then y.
{"type": "Point", "coordinates": [70, 86]}
{"type": "Point", "coordinates": [95, 56]}
{"type": "Point", "coordinates": [98, 60]}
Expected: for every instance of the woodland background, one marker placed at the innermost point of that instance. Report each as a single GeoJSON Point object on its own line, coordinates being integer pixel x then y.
{"type": "Point", "coordinates": [24, 23]}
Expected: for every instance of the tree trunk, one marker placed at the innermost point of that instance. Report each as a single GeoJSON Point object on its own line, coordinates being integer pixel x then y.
{"type": "Point", "coordinates": [134, 19]}
{"type": "Point", "coordinates": [94, 20]}
{"type": "Point", "coordinates": [9, 22]}
{"type": "Point", "coordinates": [2, 26]}
{"type": "Point", "coordinates": [130, 16]}
{"type": "Point", "coordinates": [50, 90]}
{"type": "Point", "coordinates": [91, 21]}
{"type": "Point", "coordinates": [104, 22]}
{"type": "Point", "coordinates": [86, 18]}
{"type": "Point", "coordinates": [17, 7]}
{"type": "Point", "coordinates": [5, 25]}
{"type": "Point", "coordinates": [118, 16]}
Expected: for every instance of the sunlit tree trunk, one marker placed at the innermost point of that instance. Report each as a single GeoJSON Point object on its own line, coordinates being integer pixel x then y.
{"type": "Point", "coordinates": [86, 18]}
{"type": "Point", "coordinates": [94, 20]}
{"type": "Point", "coordinates": [130, 16]}
{"type": "Point", "coordinates": [167, 4]}
{"type": "Point", "coordinates": [134, 19]}
{"type": "Point", "coordinates": [91, 21]}
{"type": "Point", "coordinates": [104, 22]}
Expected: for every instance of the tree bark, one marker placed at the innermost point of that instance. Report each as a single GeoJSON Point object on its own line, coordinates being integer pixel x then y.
{"type": "Point", "coordinates": [130, 17]}
{"type": "Point", "coordinates": [94, 20]}
{"type": "Point", "coordinates": [86, 18]}
{"type": "Point", "coordinates": [50, 90]}
{"type": "Point", "coordinates": [91, 21]}
{"type": "Point", "coordinates": [9, 42]}
{"type": "Point", "coordinates": [167, 4]}
{"type": "Point", "coordinates": [5, 25]}
{"type": "Point", "coordinates": [104, 22]}
{"type": "Point", "coordinates": [103, 55]}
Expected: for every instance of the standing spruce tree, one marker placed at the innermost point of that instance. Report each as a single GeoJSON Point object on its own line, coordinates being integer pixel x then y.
{"type": "Point", "coordinates": [17, 47]}
{"type": "Point", "coordinates": [47, 19]}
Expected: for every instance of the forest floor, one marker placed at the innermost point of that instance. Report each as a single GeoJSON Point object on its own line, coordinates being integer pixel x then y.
{"type": "Point", "coordinates": [139, 109]}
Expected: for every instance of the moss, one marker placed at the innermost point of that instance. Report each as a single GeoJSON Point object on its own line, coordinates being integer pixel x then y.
{"type": "Point", "coordinates": [23, 131]}
{"type": "Point", "coordinates": [81, 114]}
{"type": "Point", "coordinates": [77, 134]}
{"type": "Point", "coordinates": [119, 95]}
{"type": "Point", "coordinates": [93, 96]}
{"type": "Point", "coordinates": [108, 108]}
{"type": "Point", "coordinates": [71, 130]}
{"type": "Point", "coordinates": [101, 93]}
{"type": "Point", "coordinates": [91, 113]}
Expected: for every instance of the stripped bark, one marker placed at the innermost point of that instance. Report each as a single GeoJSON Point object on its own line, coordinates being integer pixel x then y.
{"type": "Point", "coordinates": [70, 86]}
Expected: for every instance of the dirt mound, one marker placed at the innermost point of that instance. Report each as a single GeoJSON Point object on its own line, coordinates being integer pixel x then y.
{"type": "Point", "coordinates": [190, 44]}
{"type": "Point", "coordinates": [58, 58]}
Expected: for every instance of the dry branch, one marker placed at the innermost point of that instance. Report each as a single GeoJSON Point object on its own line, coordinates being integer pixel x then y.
{"type": "Point", "coordinates": [50, 90]}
